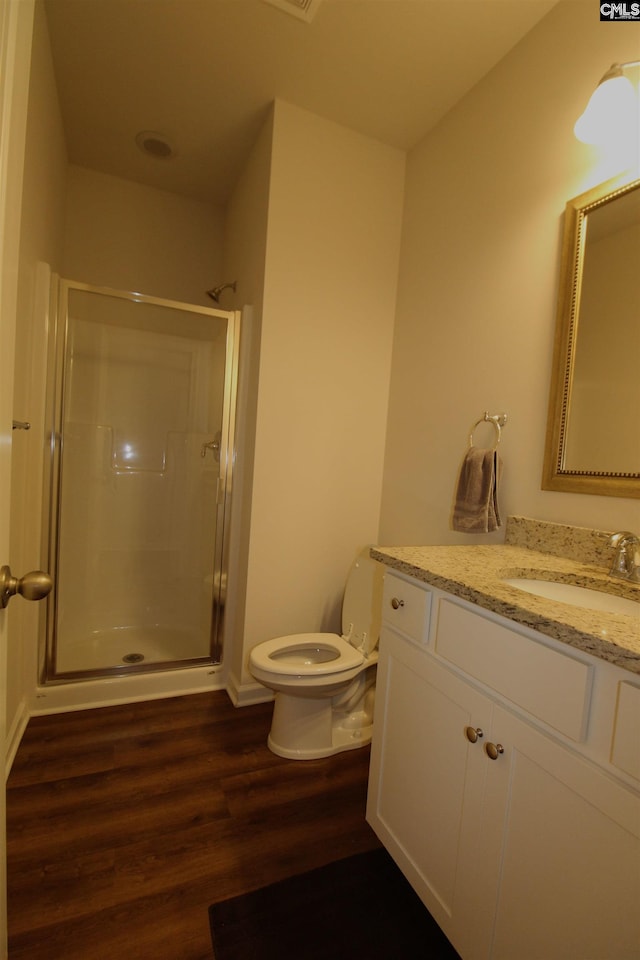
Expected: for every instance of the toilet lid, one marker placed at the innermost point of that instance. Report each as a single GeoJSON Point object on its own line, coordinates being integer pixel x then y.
{"type": "Point", "coordinates": [362, 604]}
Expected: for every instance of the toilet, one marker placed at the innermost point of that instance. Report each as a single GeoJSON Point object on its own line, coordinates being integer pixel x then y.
{"type": "Point", "coordinates": [325, 684]}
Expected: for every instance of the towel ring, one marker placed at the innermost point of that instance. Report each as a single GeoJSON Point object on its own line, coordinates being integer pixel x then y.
{"type": "Point", "coordinates": [498, 421]}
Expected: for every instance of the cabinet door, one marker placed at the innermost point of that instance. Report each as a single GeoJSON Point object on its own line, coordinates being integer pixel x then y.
{"type": "Point", "coordinates": [569, 888]}
{"type": "Point", "coordinates": [424, 775]}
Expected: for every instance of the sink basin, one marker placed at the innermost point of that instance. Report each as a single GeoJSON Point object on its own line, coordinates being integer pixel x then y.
{"type": "Point", "coordinates": [578, 596]}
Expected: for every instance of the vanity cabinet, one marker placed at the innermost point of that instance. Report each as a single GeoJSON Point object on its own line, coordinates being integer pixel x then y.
{"type": "Point", "coordinates": [485, 784]}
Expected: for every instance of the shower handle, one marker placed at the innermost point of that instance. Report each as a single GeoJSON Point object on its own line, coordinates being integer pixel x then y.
{"type": "Point", "coordinates": [33, 586]}
{"type": "Point", "coordinates": [213, 445]}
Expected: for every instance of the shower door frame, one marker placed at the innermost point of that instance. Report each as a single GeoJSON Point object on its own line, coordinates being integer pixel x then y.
{"type": "Point", "coordinates": [56, 383]}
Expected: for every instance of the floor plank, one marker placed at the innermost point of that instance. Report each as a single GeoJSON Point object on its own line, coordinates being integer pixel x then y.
{"type": "Point", "coordinates": [125, 823]}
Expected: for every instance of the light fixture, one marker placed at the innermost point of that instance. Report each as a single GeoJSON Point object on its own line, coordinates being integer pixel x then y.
{"type": "Point", "coordinates": [613, 109]}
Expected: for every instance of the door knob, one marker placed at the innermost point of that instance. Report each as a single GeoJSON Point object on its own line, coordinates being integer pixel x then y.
{"type": "Point", "coordinates": [33, 586]}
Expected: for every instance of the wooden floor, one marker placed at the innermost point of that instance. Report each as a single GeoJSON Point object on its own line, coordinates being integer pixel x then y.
{"type": "Point", "coordinates": [125, 823]}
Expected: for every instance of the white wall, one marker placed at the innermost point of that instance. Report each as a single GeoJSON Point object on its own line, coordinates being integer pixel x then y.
{"type": "Point", "coordinates": [128, 236]}
{"type": "Point", "coordinates": [41, 238]}
{"type": "Point", "coordinates": [485, 196]}
{"type": "Point", "coordinates": [330, 283]}
{"type": "Point", "coordinates": [245, 239]}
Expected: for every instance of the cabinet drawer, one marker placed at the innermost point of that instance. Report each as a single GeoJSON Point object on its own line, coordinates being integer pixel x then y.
{"type": "Point", "coordinates": [551, 686]}
{"type": "Point", "coordinates": [405, 607]}
{"type": "Point", "coordinates": [625, 748]}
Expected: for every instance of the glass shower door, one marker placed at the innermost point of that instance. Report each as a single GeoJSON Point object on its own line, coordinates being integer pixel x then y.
{"type": "Point", "coordinates": [147, 391]}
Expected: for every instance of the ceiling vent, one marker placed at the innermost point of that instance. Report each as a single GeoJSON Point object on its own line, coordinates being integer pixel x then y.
{"type": "Point", "coordinates": [302, 9]}
{"type": "Point", "coordinates": [155, 145]}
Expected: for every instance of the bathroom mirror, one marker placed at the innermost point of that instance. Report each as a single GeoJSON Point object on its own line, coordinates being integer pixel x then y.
{"type": "Point", "coordinates": [593, 428]}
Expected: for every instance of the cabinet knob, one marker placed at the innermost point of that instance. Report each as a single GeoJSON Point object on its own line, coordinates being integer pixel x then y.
{"type": "Point", "coordinates": [395, 603]}
{"type": "Point", "coordinates": [493, 750]}
{"type": "Point", "coordinates": [473, 733]}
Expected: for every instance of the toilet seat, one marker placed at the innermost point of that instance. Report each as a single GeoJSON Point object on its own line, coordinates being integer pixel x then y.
{"type": "Point", "coordinates": [293, 655]}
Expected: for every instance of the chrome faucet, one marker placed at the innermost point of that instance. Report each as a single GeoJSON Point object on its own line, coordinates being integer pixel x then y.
{"type": "Point", "coordinates": [625, 565]}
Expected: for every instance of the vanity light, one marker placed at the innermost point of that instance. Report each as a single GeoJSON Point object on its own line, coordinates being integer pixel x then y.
{"type": "Point", "coordinates": [613, 108]}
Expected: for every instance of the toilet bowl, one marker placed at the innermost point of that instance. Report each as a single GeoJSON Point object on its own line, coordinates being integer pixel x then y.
{"type": "Point", "coordinates": [324, 683]}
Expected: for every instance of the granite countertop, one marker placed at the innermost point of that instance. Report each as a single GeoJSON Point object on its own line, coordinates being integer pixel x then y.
{"type": "Point", "coordinates": [475, 573]}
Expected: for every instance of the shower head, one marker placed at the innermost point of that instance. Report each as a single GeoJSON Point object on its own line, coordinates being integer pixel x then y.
{"type": "Point", "coordinates": [215, 292]}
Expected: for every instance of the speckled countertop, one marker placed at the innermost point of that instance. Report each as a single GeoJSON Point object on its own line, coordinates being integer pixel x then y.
{"type": "Point", "coordinates": [475, 573]}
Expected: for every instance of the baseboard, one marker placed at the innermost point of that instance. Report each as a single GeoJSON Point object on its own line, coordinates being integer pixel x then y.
{"type": "Point", "coordinates": [246, 694]}
{"type": "Point", "coordinates": [15, 734]}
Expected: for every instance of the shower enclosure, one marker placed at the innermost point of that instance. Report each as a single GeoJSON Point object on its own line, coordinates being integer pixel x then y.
{"type": "Point", "coordinates": [143, 404]}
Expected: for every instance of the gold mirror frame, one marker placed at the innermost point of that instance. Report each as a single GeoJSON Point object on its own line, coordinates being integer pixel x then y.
{"type": "Point", "coordinates": [555, 475]}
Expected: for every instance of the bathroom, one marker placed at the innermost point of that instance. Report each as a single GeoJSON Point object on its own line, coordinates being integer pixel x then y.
{"type": "Point", "coordinates": [458, 259]}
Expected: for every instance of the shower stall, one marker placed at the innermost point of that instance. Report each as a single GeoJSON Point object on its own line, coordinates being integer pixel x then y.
{"type": "Point", "coordinates": [142, 406]}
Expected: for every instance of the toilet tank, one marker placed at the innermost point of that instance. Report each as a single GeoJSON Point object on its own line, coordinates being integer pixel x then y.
{"type": "Point", "coordinates": [362, 603]}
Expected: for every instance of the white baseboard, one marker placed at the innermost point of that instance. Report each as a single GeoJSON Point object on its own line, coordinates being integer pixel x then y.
{"type": "Point", "coordinates": [15, 734]}
{"type": "Point", "coordinates": [246, 694]}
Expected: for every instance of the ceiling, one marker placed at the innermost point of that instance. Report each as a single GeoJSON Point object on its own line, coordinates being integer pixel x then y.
{"type": "Point", "coordinates": [203, 73]}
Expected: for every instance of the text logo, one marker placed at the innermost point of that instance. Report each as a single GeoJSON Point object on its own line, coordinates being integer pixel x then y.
{"type": "Point", "coordinates": [620, 11]}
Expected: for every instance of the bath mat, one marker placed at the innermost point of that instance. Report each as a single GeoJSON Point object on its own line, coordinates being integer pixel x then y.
{"type": "Point", "coordinates": [358, 907]}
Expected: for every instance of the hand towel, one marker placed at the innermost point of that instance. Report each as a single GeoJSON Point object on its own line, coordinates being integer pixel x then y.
{"type": "Point", "coordinates": [476, 505]}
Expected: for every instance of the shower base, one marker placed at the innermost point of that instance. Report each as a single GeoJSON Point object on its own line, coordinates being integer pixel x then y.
{"type": "Point", "coordinates": [123, 647]}
{"type": "Point", "coordinates": [62, 696]}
